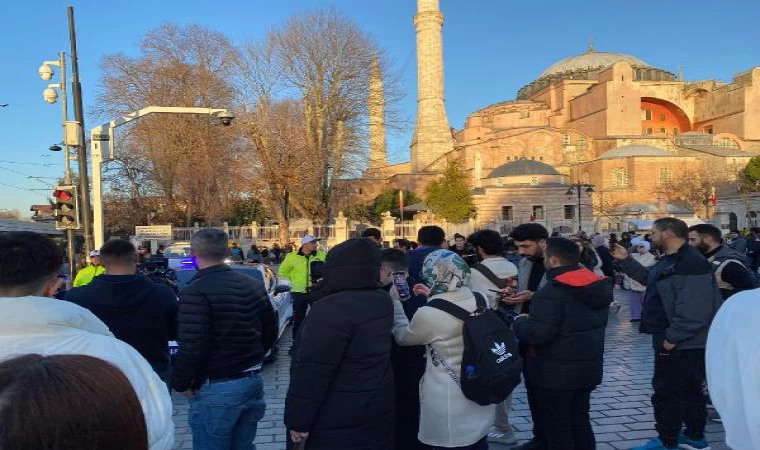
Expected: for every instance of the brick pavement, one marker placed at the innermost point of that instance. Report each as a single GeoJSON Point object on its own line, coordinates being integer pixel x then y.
{"type": "Point", "coordinates": [621, 411]}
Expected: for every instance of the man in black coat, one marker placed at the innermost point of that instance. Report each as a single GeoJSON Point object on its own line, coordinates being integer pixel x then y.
{"type": "Point", "coordinates": [136, 310]}
{"type": "Point", "coordinates": [564, 334]}
{"type": "Point", "coordinates": [226, 326]}
{"type": "Point", "coordinates": [341, 386]}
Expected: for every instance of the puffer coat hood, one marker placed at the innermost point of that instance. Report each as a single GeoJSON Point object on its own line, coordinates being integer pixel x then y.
{"type": "Point", "coordinates": [351, 265]}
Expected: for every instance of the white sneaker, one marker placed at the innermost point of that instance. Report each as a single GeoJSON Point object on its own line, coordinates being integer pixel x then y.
{"type": "Point", "coordinates": [614, 308]}
{"type": "Point", "coordinates": [502, 437]}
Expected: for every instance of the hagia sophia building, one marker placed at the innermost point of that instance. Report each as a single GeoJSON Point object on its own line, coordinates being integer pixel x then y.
{"type": "Point", "coordinates": [608, 120]}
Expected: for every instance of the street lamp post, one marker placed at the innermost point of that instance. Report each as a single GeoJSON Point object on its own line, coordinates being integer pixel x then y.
{"type": "Point", "coordinates": [102, 150]}
{"type": "Point", "coordinates": [578, 187]}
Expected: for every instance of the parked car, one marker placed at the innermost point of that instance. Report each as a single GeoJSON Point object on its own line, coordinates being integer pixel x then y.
{"type": "Point", "coordinates": [277, 289]}
{"type": "Point", "coordinates": [176, 253]}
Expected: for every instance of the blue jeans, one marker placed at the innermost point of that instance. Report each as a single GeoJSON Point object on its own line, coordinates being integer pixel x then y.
{"type": "Point", "coordinates": [224, 415]}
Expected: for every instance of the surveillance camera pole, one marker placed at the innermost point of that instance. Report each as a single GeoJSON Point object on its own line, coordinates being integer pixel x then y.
{"type": "Point", "coordinates": [102, 150]}
{"type": "Point", "coordinates": [84, 183]}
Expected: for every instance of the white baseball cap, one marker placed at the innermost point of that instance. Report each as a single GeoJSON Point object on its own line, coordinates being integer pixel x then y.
{"type": "Point", "coordinates": [95, 253]}
{"type": "Point", "coordinates": [308, 240]}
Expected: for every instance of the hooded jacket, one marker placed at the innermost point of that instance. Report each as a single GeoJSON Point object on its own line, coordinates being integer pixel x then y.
{"type": "Point", "coordinates": [565, 330]}
{"type": "Point", "coordinates": [53, 327]}
{"type": "Point", "coordinates": [341, 384]}
{"type": "Point", "coordinates": [137, 311]}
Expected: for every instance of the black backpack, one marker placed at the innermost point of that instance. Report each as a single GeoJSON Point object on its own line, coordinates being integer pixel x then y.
{"type": "Point", "coordinates": [491, 363]}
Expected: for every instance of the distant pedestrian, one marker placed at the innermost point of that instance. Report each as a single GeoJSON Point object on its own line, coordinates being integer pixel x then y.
{"type": "Point", "coordinates": [730, 266]}
{"type": "Point", "coordinates": [253, 255]}
{"type": "Point", "coordinates": [374, 234]}
{"type": "Point", "coordinates": [341, 387]}
{"type": "Point", "coordinates": [733, 370]}
{"type": "Point", "coordinates": [277, 252]}
{"type": "Point", "coordinates": [160, 250]}
{"type": "Point", "coordinates": [87, 274]}
{"type": "Point", "coordinates": [31, 322]}
{"type": "Point", "coordinates": [465, 250]}
{"type": "Point", "coordinates": [680, 301]}
{"type": "Point", "coordinates": [136, 310]}
{"type": "Point", "coordinates": [36, 416]}
{"type": "Point", "coordinates": [447, 418]}
{"type": "Point", "coordinates": [565, 336]}
{"type": "Point", "coordinates": [301, 269]}
{"type": "Point", "coordinates": [634, 289]}
{"type": "Point", "coordinates": [226, 326]}
{"type": "Point", "coordinates": [598, 242]}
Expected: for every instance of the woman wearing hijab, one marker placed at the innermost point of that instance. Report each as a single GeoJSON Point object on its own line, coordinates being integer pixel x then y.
{"type": "Point", "coordinates": [636, 290]}
{"type": "Point", "coordinates": [447, 419]}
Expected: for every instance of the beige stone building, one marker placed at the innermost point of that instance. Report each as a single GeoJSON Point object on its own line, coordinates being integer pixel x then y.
{"type": "Point", "coordinates": [606, 119]}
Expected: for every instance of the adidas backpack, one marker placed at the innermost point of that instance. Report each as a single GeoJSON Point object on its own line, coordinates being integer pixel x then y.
{"type": "Point", "coordinates": [491, 363]}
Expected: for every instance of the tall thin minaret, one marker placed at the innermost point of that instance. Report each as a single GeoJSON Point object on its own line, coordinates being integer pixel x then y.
{"type": "Point", "coordinates": [432, 135]}
{"type": "Point", "coordinates": [377, 150]}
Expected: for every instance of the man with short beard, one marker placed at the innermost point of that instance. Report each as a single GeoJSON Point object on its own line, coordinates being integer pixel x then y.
{"type": "Point", "coordinates": [731, 270]}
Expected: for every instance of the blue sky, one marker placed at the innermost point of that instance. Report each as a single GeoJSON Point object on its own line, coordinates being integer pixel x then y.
{"type": "Point", "coordinates": [491, 49]}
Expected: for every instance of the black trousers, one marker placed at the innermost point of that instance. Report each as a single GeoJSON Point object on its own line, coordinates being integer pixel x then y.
{"type": "Point", "coordinates": [300, 307]}
{"type": "Point", "coordinates": [678, 397]}
{"type": "Point", "coordinates": [563, 419]}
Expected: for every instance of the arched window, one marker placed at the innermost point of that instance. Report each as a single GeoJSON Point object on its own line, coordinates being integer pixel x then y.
{"type": "Point", "coordinates": [565, 139]}
{"type": "Point", "coordinates": [725, 142]}
{"type": "Point", "coordinates": [580, 144]}
{"type": "Point", "coordinates": [620, 177]}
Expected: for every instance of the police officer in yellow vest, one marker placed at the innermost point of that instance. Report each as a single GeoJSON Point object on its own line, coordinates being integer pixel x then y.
{"type": "Point", "coordinates": [299, 268]}
{"type": "Point", "coordinates": [86, 275]}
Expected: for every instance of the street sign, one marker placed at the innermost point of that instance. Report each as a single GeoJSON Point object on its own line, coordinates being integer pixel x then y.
{"type": "Point", "coordinates": [101, 137]}
{"type": "Point", "coordinates": [157, 232]}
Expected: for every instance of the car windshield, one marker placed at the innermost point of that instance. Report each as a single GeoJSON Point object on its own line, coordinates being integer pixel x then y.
{"type": "Point", "coordinates": [177, 252]}
{"type": "Point", "coordinates": [185, 275]}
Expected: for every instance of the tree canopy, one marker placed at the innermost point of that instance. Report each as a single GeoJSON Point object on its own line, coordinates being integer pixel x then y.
{"type": "Point", "coordinates": [449, 196]}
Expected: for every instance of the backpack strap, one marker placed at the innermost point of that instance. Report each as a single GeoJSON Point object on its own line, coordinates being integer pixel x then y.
{"type": "Point", "coordinates": [449, 308]}
{"type": "Point", "coordinates": [457, 311]}
{"type": "Point", "coordinates": [500, 283]}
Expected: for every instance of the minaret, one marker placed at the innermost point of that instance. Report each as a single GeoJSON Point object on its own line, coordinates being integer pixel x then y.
{"type": "Point", "coordinates": [432, 135]}
{"type": "Point", "coordinates": [377, 149]}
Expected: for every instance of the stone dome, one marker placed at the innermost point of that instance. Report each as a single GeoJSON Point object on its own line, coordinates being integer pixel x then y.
{"type": "Point", "coordinates": [591, 59]}
{"type": "Point", "coordinates": [628, 151]}
{"type": "Point", "coordinates": [523, 167]}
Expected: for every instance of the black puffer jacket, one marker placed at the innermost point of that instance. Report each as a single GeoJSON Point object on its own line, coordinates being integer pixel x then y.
{"type": "Point", "coordinates": [565, 332]}
{"type": "Point", "coordinates": [226, 325]}
{"type": "Point", "coordinates": [341, 386]}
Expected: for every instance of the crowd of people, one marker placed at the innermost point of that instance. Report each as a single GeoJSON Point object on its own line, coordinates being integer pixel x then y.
{"type": "Point", "coordinates": [384, 355]}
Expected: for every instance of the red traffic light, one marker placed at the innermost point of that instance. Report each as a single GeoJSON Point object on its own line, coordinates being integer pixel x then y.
{"type": "Point", "coordinates": [64, 196]}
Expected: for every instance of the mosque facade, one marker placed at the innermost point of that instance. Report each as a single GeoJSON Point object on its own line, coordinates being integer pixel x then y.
{"type": "Point", "coordinates": [600, 119]}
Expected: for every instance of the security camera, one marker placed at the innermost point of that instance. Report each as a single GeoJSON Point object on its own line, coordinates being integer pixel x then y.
{"type": "Point", "coordinates": [50, 95]}
{"type": "Point", "coordinates": [46, 72]}
{"type": "Point", "coordinates": [225, 117]}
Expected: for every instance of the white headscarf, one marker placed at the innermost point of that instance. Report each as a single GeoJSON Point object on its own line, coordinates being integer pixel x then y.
{"type": "Point", "coordinates": [733, 369]}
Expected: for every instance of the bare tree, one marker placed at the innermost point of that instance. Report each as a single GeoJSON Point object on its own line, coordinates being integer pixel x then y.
{"type": "Point", "coordinates": [187, 160]}
{"type": "Point", "coordinates": [693, 186]}
{"type": "Point", "coordinates": [327, 59]}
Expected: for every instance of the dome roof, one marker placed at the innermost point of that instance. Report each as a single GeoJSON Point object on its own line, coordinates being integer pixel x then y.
{"type": "Point", "coordinates": [523, 167]}
{"type": "Point", "coordinates": [591, 59]}
{"type": "Point", "coordinates": [627, 151]}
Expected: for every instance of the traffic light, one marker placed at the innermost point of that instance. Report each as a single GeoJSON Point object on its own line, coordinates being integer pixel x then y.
{"type": "Point", "coordinates": [66, 211]}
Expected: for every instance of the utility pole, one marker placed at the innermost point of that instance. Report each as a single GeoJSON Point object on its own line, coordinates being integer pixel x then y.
{"type": "Point", "coordinates": [67, 164]}
{"type": "Point", "coordinates": [84, 183]}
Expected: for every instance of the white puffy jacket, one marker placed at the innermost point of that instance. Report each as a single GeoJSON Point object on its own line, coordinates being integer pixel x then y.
{"type": "Point", "coordinates": [53, 327]}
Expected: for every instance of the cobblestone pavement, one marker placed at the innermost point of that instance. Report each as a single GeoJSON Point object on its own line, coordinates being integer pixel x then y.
{"type": "Point", "coordinates": [621, 411]}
